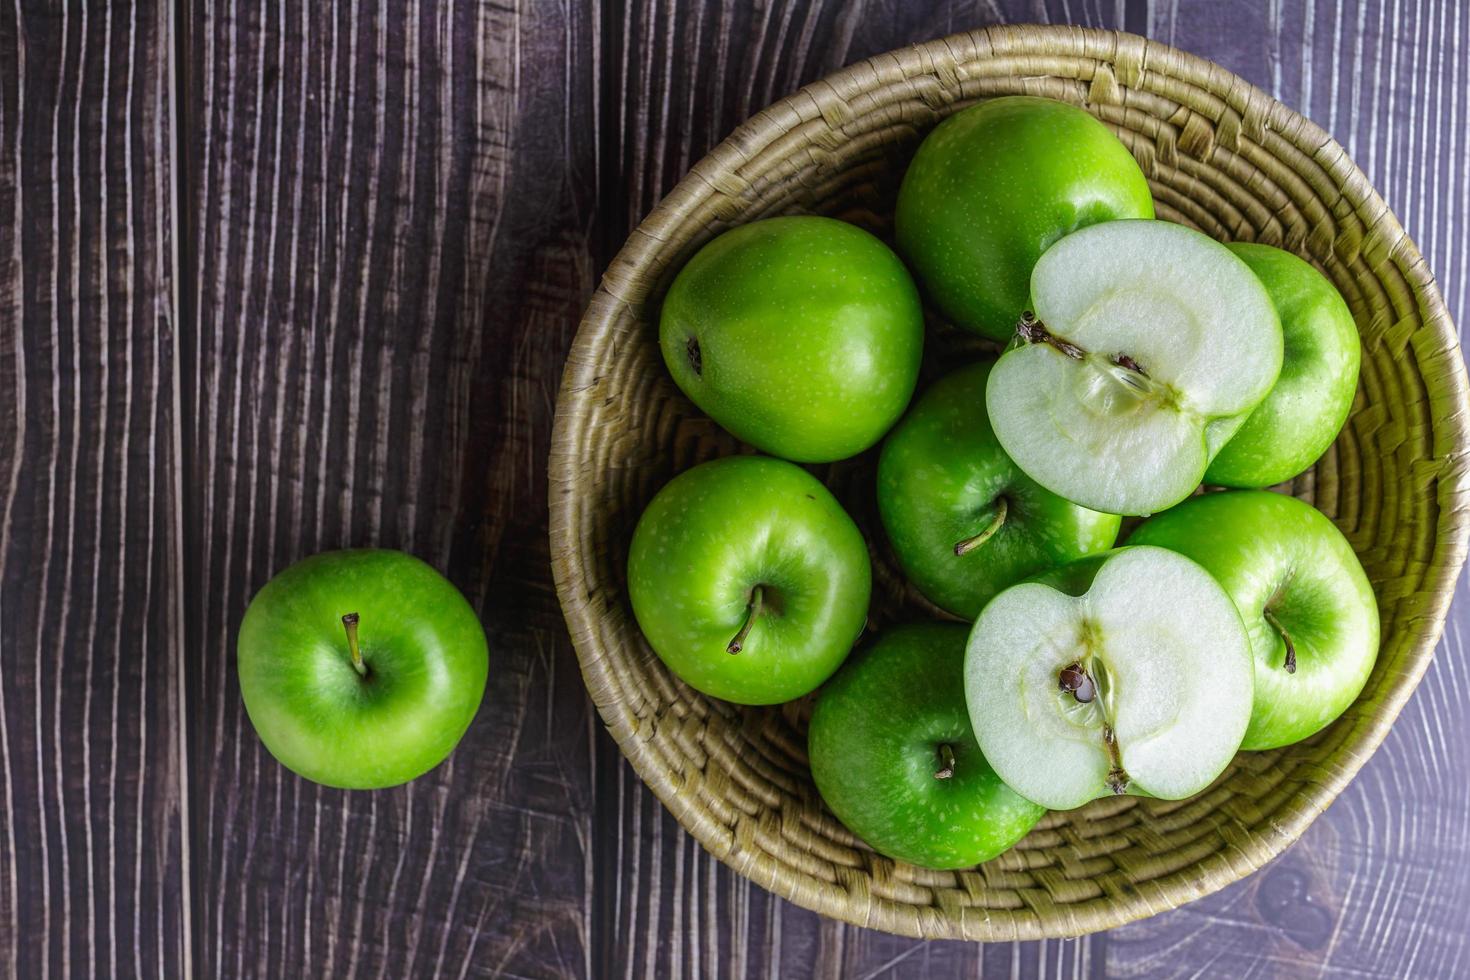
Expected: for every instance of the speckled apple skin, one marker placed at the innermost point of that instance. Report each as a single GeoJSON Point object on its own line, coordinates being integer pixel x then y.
{"type": "Point", "coordinates": [713, 534]}
{"type": "Point", "coordinates": [1269, 550]}
{"type": "Point", "coordinates": [874, 747]}
{"type": "Point", "coordinates": [1310, 401]}
{"type": "Point", "coordinates": [992, 187]}
{"type": "Point", "coordinates": [939, 477]}
{"type": "Point", "coordinates": [800, 335]}
{"type": "Point", "coordinates": [426, 667]}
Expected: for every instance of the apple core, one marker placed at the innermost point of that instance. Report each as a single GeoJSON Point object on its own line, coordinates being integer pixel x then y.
{"type": "Point", "coordinates": [1123, 673]}
{"type": "Point", "coordinates": [1148, 345]}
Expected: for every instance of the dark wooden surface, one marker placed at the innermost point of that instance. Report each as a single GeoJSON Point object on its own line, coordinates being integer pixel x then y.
{"type": "Point", "coordinates": [93, 801]}
{"type": "Point", "coordinates": [349, 329]}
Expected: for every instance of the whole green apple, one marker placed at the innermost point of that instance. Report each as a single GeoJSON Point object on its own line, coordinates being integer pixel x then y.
{"type": "Point", "coordinates": [800, 335]}
{"type": "Point", "coordinates": [964, 521]}
{"type": "Point", "coordinates": [749, 580]}
{"type": "Point", "coordinates": [1306, 408]}
{"type": "Point", "coordinates": [1307, 604]}
{"type": "Point", "coordinates": [992, 187]}
{"type": "Point", "coordinates": [893, 754]}
{"type": "Point", "coordinates": [361, 669]}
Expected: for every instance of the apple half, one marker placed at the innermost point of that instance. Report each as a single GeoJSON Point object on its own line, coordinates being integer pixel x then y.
{"type": "Point", "coordinates": [1128, 672]}
{"type": "Point", "coordinates": [1148, 347]}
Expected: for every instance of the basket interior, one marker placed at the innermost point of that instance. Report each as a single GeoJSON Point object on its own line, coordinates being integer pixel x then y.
{"type": "Point", "coordinates": [1221, 157]}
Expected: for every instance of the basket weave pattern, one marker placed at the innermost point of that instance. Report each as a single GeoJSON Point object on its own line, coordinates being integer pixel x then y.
{"type": "Point", "coordinates": [1221, 156]}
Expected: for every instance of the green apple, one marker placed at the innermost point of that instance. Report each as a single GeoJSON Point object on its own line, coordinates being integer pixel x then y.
{"type": "Point", "coordinates": [990, 190]}
{"type": "Point", "coordinates": [893, 754]}
{"type": "Point", "coordinates": [1137, 681]}
{"type": "Point", "coordinates": [1149, 345]}
{"type": "Point", "coordinates": [800, 335]}
{"type": "Point", "coordinates": [749, 580]}
{"type": "Point", "coordinates": [1305, 410]}
{"type": "Point", "coordinates": [361, 669]}
{"type": "Point", "coordinates": [1311, 614]}
{"type": "Point", "coordinates": [964, 521]}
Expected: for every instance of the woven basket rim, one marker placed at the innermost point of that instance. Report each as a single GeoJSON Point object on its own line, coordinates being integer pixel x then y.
{"type": "Point", "coordinates": [1451, 431]}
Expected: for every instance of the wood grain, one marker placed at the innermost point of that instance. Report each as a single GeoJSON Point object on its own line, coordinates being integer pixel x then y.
{"type": "Point", "coordinates": [92, 850]}
{"type": "Point", "coordinates": [391, 215]}
{"type": "Point", "coordinates": [1378, 885]}
{"type": "Point", "coordinates": [390, 223]}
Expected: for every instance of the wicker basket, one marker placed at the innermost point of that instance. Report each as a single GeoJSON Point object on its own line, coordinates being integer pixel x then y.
{"type": "Point", "coordinates": [1221, 156]}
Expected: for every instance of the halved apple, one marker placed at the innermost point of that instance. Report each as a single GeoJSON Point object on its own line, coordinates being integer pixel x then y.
{"type": "Point", "coordinates": [1129, 672]}
{"type": "Point", "coordinates": [1148, 347]}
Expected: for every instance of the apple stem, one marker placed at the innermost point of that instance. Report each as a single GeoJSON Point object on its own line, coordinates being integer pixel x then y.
{"type": "Point", "coordinates": [946, 761]}
{"type": "Point", "coordinates": [1290, 662]}
{"type": "Point", "coordinates": [757, 599]}
{"type": "Point", "coordinates": [970, 544]}
{"type": "Point", "coordinates": [1075, 679]}
{"type": "Point", "coordinates": [1118, 778]}
{"type": "Point", "coordinates": [1033, 331]}
{"type": "Point", "coordinates": [349, 623]}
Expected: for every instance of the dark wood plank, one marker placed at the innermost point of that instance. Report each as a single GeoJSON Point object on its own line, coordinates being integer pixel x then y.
{"type": "Point", "coordinates": [1376, 887]}
{"type": "Point", "coordinates": [390, 225]}
{"type": "Point", "coordinates": [396, 215]}
{"type": "Point", "coordinates": [92, 851]}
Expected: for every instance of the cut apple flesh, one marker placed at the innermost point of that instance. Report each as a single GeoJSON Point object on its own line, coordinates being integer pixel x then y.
{"type": "Point", "coordinates": [1148, 346]}
{"type": "Point", "coordinates": [1142, 684]}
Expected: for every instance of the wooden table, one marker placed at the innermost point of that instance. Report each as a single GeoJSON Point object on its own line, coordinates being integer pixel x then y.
{"type": "Point", "coordinates": [275, 280]}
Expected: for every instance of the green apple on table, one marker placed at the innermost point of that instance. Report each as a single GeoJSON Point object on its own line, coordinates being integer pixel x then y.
{"type": "Point", "coordinates": [1306, 602]}
{"type": "Point", "coordinates": [1149, 345]}
{"type": "Point", "coordinates": [361, 669]}
{"type": "Point", "coordinates": [800, 335]}
{"type": "Point", "coordinates": [893, 754]}
{"type": "Point", "coordinates": [963, 519]}
{"type": "Point", "coordinates": [1123, 673]}
{"type": "Point", "coordinates": [749, 580]}
{"type": "Point", "coordinates": [990, 190]}
{"type": "Point", "coordinates": [1306, 408]}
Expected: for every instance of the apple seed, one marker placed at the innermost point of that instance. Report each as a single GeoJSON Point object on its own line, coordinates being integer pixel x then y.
{"type": "Point", "coordinates": [1075, 681]}
{"type": "Point", "coordinates": [1124, 361]}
